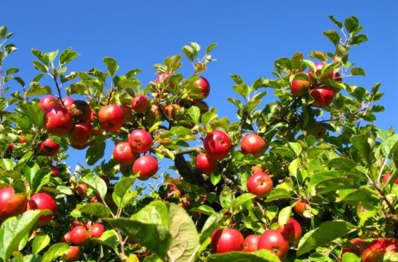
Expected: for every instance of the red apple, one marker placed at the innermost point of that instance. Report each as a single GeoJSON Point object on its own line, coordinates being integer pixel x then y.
{"type": "Point", "coordinates": [80, 134]}
{"type": "Point", "coordinates": [80, 110]}
{"type": "Point", "coordinates": [49, 101]}
{"type": "Point", "coordinates": [123, 155]}
{"type": "Point", "coordinates": [48, 147]}
{"type": "Point", "coordinates": [76, 223]}
{"type": "Point", "coordinates": [146, 166]}
{"type": "Point", "coordinates": [274, 241]}
{"type": "Point", "coordinates": [67, 238]}
{"type": "Point", "coordinates": [256, 169]}
{"type": "Point", "coordinates": [111, 117]}
{"type": "Point", "coordinates": [205, 164]}
{"type": "Point", "coordinates": [11, 204]}
{"type": "Point", "coordinates": [387, 176]}
{"type": "Point", "coordinates": [376, 250]}
{"type": "Point", "coordinates": [250, 243]}
{"type": "Point", "coordinates": [79, 235]}
{"type": "Point", "coordinates": [291, 231]}
{"type": "Point", "coordinates": [171, 111]}
{"type": "Point", "coordinates": [260, 184]}
{"type": "Point", "coordinates": [67, 101]}
{"type": "Point", "coordinates": [58, 121]}
{"type": "Point", "coordinates": [318, 70]}
{"type": "Point", "coordinates": [358, 244]}
{"type": "Point", "coordinates": [300, 85]}
{"type": "Point", "coordinates": [300, 207]}
{"type": "Point", "coordinates": [73, 254]}
{"type": "Point", "coordinates": [43, 201]}
{"type": "Point", "coordinates": [96, 230]}
{"type": "Point", "coordinates": [253, 144]}
{"type": "Point", "coordinates": [54, 171]}
{"type": "Point", "coordinates": [140, 141]}
{"type": "Point", "coordinates": [204, 85]}
{"type": "Point", "coordinates": [140, 103]}
{"type": "Point", "coordinates": [126, 113]}
{"type": "Point", "coordinates": [161, 77]}
{"type": "Point", "coordinates": [81, 189]}
{"type": "Point", "coordinates": [226, 240]}
{"type": "Point", "coordinates": [323, 96]}
{"type": "Point", "coordinates": [217, 144]}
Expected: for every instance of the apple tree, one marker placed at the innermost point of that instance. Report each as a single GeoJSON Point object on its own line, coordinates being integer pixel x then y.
{"type": "Point", "coordinates": [308, 177]}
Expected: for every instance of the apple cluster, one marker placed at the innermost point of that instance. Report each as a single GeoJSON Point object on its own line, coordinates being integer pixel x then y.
{"type": "Point", "coordinates": [373, 250]}
{"type": "Point", "coordinates": [277, 240]}
{"type": "Point", "coordinates": [313, 83]}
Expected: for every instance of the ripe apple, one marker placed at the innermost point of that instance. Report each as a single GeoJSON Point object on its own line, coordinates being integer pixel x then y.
{"type": "Point", "coordinates": [123, 154]}
{"type": "Point", "coordinates": [153, 115]}
{"type": "Point", "coordinates": [291, 231]}
{"type": "Point", "coordinates": [146, 166]}
{"type": "Point", "coordinates": [79, 235]}
{"type": "Point", "coordinates": [226, 240]}
{"type": "Point", "coordinates": [161, 77]}
{"type": "Point", "coordinates": [387, 176]}
{"type": "Point", "coordinates": [205, 164]}
{"type": "Point", "coordinates": [253, 144]}
{"type": "Point", "coordinates": [323, 96]}
{"type": "Point", "coordinates": [318, 70]}
{"type": "Point", "coordinates": [67, 101]}
{"type": "Point", "coordinates": [96, 230]}
{"type": "Point", "coordinates": [204, 85]}
{"type": "Point", "coordinates": [274, 241]}
{"type": "Point", "coordinates": [250, 243]}
{"type": "Point", "coordinates": [260, 184]}
{"type": "Point", "coordinates": [376, 250]}
{"type": "Point", "coordinates": [80, 110]}
{"type": "Point", "coordinates": [217, 144]}
{"type": "Point", "coordinates": [300, 207]}
{"type": "Point", "coordinates": [48, 147]}
{"type": "Point", "coordinates": [81, 189]}
{"type": "Point", "coordinates": [58, 121]}
{"type": "Point", "coordinates": [43, 201]}
{"type": "Point", "coordinates": [67, 238]}
{"type": "Point", "coordinates": [256, 169]}
{"type": "Point", "coordinates": [300, 85]}
{"type": "Point", "coordinates": [76, 223]}
{"type": "Point", "coordinates": [358, 244]}
{"type": "Point", "coordinates": [54, 171]}
{"type": "Point", "coordinates": [49, 101]}
{"type": "Point", "coordinates": [80, 134]}
{"type": "Point", "coordinates": [140, 103]}
{"type": "Point", "coordinates": [171, 111]}
{"type": "Point", "coordinates": [126, 113]}
{"type": "Point", "coordinates": [73, 254]}
{"type": "Point", "coordinates": [140, 141]}
{"type": "Point", "coordinates": [11, 204]}
{"type": "Point", "coordinates": [111, 117]}
{"type": "Point", "coordinates": [316, 129]}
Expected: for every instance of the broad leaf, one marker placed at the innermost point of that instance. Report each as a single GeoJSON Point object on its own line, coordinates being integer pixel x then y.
{"type": "Point", "coordinates": [55, 251]}
{"type": "Point", "coordinates": [122, 194]}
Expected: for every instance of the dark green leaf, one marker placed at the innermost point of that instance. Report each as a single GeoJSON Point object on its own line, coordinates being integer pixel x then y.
{"type": "Point", "coordinates": [338, 23]}
{"type": "Point", "coordinates": [342, 163]}
{"type": "Point", "coordinates": [351, 24]}
{"type": "Point", "coordinates": [36, 89]}
{"type": "Point", "coordinates": [356, 40]}
{"type": "Point", "coordinates": [67, 56]}
{"type": "Point", "coordinates": [319, 55]}
{"type": "Point", "coordinates": [210, 47]}
{"type": "Point", "coordinates": [333, 36]}
{"type": "Point", "coordinates": [357, 71]}
{"type": "Point", "coordinates": [55, 251]}
{"type": "Point", "coordinates": [324, 234]}
{"type": "Point", "coordinates": [95, 153]}
{"type": "Point", "coordinates": [189, 52]}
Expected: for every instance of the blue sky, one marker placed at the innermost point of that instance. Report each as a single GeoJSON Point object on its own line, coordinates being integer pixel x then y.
{"type": "Point", "coordinates": [250, 36]}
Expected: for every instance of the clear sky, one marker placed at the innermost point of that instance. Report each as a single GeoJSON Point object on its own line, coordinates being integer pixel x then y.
{"type": "Point", "coordinates": [250, 36]}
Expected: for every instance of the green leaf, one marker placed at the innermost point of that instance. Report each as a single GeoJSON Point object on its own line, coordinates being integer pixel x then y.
{"type": "Point", "coordinates": [36, 89]}
{"type": "Point", "coordinates": [212, 223]}
{"type": "Point", "coordinates": [97, 183]}
{"type": "Point", "coordinates": [55, 251]}
{"type": "Point", "coordinates": [324, 234]}
{"type": "Point", "coordinates": [210, 47]}
{"type": "Point", "coordinates": [204, 209]}
{"type": "Point", "coordinates": [357, 71]}
{"type": "Point", "coordinates": [333, 36]}
{"type": "Point", "coordinates": [342, 163]}
{"type": "Point", "coordinates": [360, 142]}
{"type": "Point", "coordinates": [153, 213]}
{"type": "Point", "coordinates": [111, 65]}
{"type": "Point", "coordinates": [67, 56]}
{"type": "Point", "coordinates": [153, 236]}
{"type": "Point", "coordinates": [95, 153]}
{"type": "Point", "coordinates": [284, 215]}
{"type": "Point", "coordinates": [49, 57]}
{"type": "Point", "coordinates": [194, 113]}
{"type": "Point", "coordinates": [389, 145]}
{"type": "Point", "coordinates": [293, 166]}
{"type": "Point", "coordinates": [338, 23]}
{"type": "Point", "coordinates": [226, 198]}
{"type": "Point", "coordinates": [39, 243]}
{"type": "Point", "coordinates": [240, 200]}
{"type": "Point", "coordinates": [96, 209]}
{"type": "Point", "coordinates": [14, 229]}
{"type": "Point", "coordinates": [242, 89]}
{"type": "Point", "coordinates": [259, 256]}
{"type": "Point", "coordinates": [209, 117]}
{"type": "Point", "coordinates": [277, 194]}
{"type": "Point", "coordinates": [122, 194]}
{"type": "Point", "coordinates": [351, 24]}
{"type": "Point", "coordinates": [189, 52]}
{"type": "Point", "coordinates": [108, 238]}
{"type": "Point", "coordinates": [356, 40]}
{"type": "Point", "coordinates": [185, 242]}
